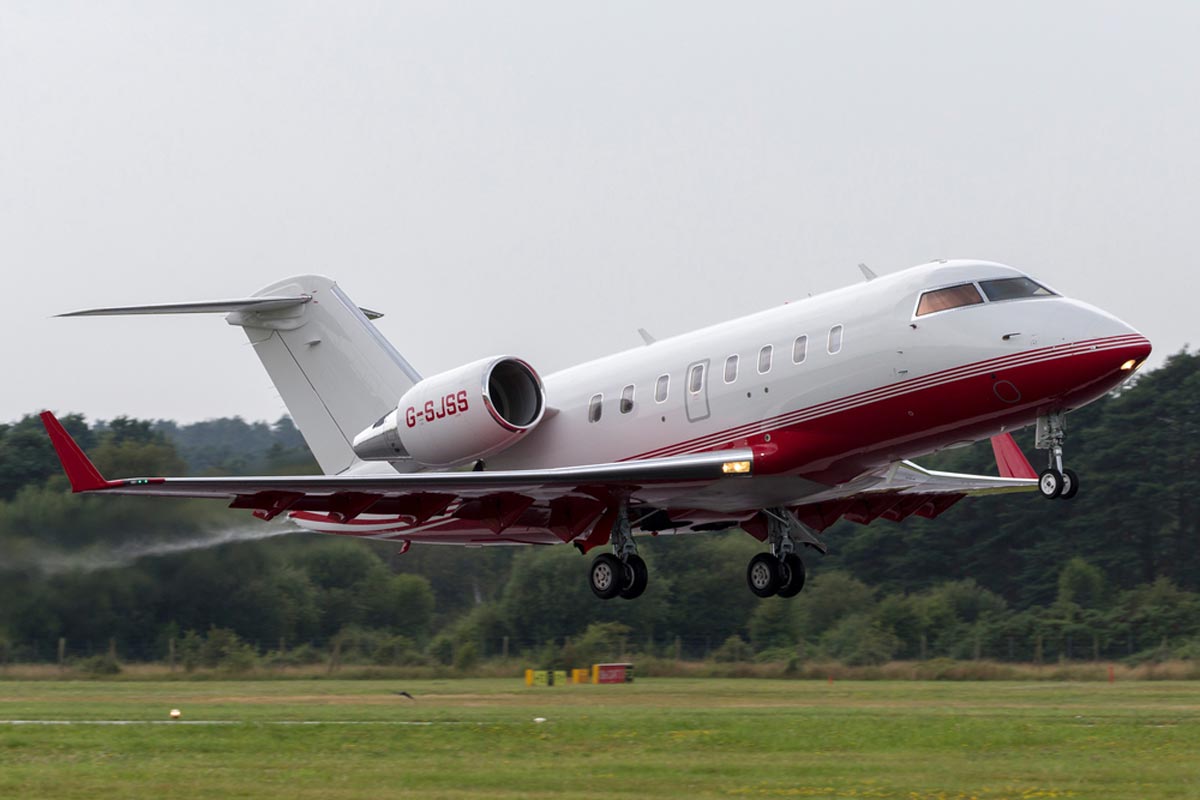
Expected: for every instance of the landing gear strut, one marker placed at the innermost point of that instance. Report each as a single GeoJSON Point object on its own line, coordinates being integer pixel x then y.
{"type": "Point", "coordinates": [1055, 482]}
{"type": "Point", "coordinates": [621, 572]}
{"type": "Point", "coordinates": [781, 571]}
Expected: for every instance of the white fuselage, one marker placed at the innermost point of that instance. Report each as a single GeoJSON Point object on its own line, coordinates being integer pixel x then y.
{"type": "Point", "coordinates": [883, 346]}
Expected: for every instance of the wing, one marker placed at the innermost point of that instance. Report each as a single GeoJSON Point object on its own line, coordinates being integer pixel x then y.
{"type": "Point", "coordinates": [559, 504]}
{"type": "Point", "coordinates": [905, 489]}
{"type": "Point", "coordinates": [564, 501]}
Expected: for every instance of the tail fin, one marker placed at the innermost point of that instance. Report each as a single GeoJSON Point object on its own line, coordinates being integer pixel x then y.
{"type": "Point", "coordinates": [332, 367]}
{"type": "Point", "coordinates": [334, 370]}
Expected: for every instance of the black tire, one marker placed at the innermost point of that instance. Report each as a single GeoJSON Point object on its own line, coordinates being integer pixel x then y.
{"type": "Point", "coordinates": [763, 575]}
{"type": "Point", "coordinates": [606, 576]}
{"type": "Point", "coordinates": [791, 575]}
{"type": "Point", "coordinates": [636, 577]}
{"type": "Point", "coordinates": [1070, 484]}
{"type": "Point", "coordinates": [1050, 483]}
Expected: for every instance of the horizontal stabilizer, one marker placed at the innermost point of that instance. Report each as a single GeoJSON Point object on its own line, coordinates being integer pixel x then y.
{"type": "Point", "coordinates": [272, 303]}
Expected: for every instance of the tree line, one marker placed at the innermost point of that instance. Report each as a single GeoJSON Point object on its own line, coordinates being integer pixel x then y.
{"type": "Point", "coordinates": [1112, 574]}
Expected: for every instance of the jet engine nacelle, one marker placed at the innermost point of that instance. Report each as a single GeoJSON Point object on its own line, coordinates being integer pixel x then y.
{"type": "Point", "coordinates": [459, 416]}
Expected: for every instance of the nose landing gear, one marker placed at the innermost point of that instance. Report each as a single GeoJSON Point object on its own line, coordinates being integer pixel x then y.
{"type": "Point", "coordinates": [781, 571]}
{"type": "Point", "coordinates": [1055, 482]}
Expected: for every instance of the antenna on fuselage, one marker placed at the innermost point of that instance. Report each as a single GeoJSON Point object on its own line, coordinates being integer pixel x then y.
{"type": "Point", "coordinates": [867, 272]}
{"type": "Point", "coordinates": [646, 337]}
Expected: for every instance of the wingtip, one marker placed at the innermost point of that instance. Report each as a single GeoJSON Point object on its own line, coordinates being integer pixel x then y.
{"type": "Point", "coordinates": [1011, 462]}
{"type": "Point", "coordinates": [81, 472]}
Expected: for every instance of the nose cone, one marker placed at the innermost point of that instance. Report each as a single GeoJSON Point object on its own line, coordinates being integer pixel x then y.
{"type": "Point", "coordinates": [1101, 351]}
{"type": "Point", "coordinates": [1125, 342]}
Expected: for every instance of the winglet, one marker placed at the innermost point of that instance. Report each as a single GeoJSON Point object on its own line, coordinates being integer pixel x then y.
{"type": "Point", "coordinates": [81, 472]}
{"type": "Point", "coordinates": [1011, 462]}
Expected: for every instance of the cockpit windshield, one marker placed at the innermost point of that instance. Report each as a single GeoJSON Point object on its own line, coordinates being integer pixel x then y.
{"type": "Point", "coordinates": [1014, 288]}
{"type": "Point", "coordinates": [951, 297]}
{"type": "Point", "coordinates": [968, 294]}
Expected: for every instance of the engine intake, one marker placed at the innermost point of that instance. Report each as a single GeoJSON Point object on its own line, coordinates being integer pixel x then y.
{"type": "Point", "coordinates": [458, 416]}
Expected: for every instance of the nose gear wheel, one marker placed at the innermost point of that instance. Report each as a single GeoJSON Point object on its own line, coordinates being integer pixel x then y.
{"type": "Point", "coordinates": [1055, 482]}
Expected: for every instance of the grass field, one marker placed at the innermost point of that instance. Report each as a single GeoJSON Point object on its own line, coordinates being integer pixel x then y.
{"type": "Point", "coordinates": [657, 738]}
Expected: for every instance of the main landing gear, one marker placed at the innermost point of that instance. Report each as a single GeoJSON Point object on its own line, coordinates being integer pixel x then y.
{"type": "Point", "coordinates": [1055, 482]}
{"type": "Point", "coordinates": [622, 572]}
{"type": "Point", "coordinates": [781, 571]}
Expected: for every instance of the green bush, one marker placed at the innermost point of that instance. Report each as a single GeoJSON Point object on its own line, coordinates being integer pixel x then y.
{"type": "Point", "coordinates": [220, 648]}
{"type": "Point", "coordinates": [601, 641]}
{"type": "Point", "coordinates": [98, 665]}
{"type": "Point", "coordinates": [735, 650]}
{"type": "Point", "coordinates": [304, 655]}
{"type": "Point", "coordinates": [466, 656]}
{"type": "Point", "coordinates": [856, 641]}
{"type": "Point", "coordinates": [441, 649]}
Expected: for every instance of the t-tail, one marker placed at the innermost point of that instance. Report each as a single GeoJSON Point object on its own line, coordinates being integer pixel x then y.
{"type": "Point", "coordinates": [333, 368]}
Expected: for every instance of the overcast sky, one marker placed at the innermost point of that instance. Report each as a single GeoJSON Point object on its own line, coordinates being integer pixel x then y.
{"type": "Point", "coordinates": [542, 179]}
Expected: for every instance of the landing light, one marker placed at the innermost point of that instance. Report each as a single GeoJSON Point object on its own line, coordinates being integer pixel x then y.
{"type": "Point", "coordinates": [736, 467]}
{"type": "Point", "coordinates": [1128, 365]}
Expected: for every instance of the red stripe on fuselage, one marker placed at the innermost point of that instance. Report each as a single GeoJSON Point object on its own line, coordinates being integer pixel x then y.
{"type": "Point", "coordinates": [875, 427]}
{"type": "Point", "coordinates": [901, 388]}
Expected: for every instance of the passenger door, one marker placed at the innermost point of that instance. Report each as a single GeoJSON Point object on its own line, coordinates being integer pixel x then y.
{"type": "Point", "coordinates": [695, 391]}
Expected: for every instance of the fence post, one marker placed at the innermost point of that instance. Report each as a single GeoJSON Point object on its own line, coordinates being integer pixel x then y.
{"type": "Point", "coordinates": [678, 649]}
{"type": "Point", "coordinates": [504, 647]}
{"type": "Point", "coordinates": [62, 651]}
{"type": "Point", "coordinates": [335, 656]}
{"type": "Point", "coordinates": [1037, 649]}
{"type": "Point", "coordinates": [171, 653]}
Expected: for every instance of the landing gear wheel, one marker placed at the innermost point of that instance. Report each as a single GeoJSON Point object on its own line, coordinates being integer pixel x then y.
{"type": "Point", "coordinates": [791, 575]}
{"type": "Point", "coordinates": [1050, 483]}
{"type": "Point", "coordinates": [636, 577]}
{"type": "Point", "coordinates": [606, 576]}
{"type": "Point", "coordinates": [1070, 484]}
{"type": "Point", "coordinates": [763, 574]}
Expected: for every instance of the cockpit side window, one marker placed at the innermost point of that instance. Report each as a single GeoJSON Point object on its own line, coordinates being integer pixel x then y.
{"type": "Point", "coordinates": [1014, 288]}
{"type": "Point", "coordinates": [950, 297]}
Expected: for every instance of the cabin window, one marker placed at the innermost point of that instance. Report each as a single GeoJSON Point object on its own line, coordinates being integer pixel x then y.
{"type": "Point", "coordinates": [950, 297]}
{"type": "Point", "coordinates": [661, 388]}
{"type": "Point", "coordinates": [835, 339]}
{"type": "Point", "coordinates": [731, 369]}
{"type": "Point", "coordinates": [627, 399]}
{"type": "Point", "coordinates": [1014, 289]}
{"type": "Point", "coordinates": [800, 349]}
{"type": "Point", "coordinates": [595, 407]}
{"type": "Point", "coordinates": [696, 379]}
{"type": "Point", "coordinates": [764, 359]}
